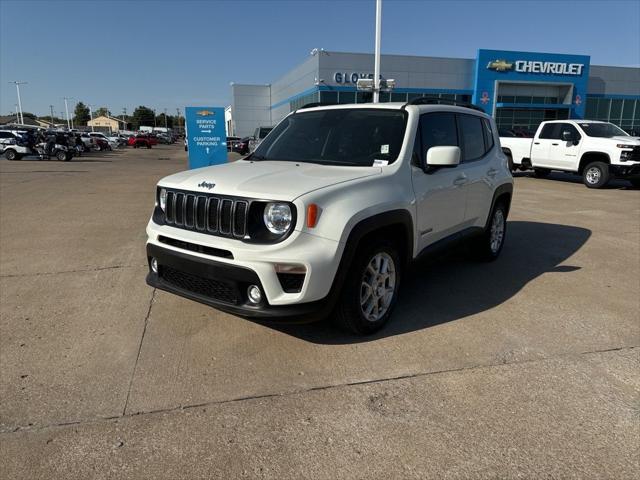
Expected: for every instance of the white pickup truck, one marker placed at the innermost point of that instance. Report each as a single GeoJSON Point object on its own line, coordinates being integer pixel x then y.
{"type": "Point", "coordinates": [598, 151]}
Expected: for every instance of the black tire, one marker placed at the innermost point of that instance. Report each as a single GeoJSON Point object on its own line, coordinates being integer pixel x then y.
{"type": "Point", "coordinates": [596, 175]}
{"type": "Point", "coordinates": [510, 162]}
{"type": "Point", "coordinates": [541, 172]}
{"type": "Point", "coordinates": [62, 156]}
{"type": "Point", "coordinates": [635, 182]}
{"type": "Point", "coordinates": [11, 154]}
{"type": "Point", "coordinates": [349, 314]}
{"type": "Point", "coordinates": [148, 145]}
{"type": "Point", "coordinates": [484, 248]}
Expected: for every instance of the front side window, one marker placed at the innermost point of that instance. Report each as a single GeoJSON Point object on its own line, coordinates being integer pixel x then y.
{"type": "Point", "coordinates": [437, 130]}
{"type": "Point", "coordinates": [348, 136]}
{"type": "Point", "coordinates": [472, 136]}
{"type": "Point", "coordinates": [602, 130]}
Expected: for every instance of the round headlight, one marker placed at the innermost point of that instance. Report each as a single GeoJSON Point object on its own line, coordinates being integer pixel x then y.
{"type": "Point", "coordinates": [163, 199]}
{"type": "Point", "coordinates": [277, 217]}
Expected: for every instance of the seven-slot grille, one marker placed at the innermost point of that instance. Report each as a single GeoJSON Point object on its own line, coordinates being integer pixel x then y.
{"type": "Point", "coordinates": [220, 216]}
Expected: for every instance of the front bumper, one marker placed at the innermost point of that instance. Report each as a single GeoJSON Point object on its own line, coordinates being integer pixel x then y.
{"type": "Point", "coordinates": [625, 171]}
{"type": "Point", "coordinates": [223, 286]}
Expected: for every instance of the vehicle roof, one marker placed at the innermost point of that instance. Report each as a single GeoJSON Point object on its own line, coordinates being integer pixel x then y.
{"type": "Point", "coordinates": [576, 120]}
{"type": "Point", "coordinates": [397, 106]}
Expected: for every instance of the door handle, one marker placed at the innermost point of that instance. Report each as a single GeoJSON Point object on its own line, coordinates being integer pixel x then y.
{"type": "Point", "coordinates": [461, 180]}
{"type": "Point", "coordinates": [492, 172]}
{"type": "Point", "coordinates": [536, 143]}
{"type": "Point", "coordinates": [555, 144]}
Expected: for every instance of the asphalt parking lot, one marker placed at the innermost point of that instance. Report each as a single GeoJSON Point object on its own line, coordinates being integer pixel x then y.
{"type": "Point", "coordinates": [523, 368]}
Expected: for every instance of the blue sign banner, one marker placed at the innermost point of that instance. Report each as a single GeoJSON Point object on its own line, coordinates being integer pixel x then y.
{"type": "Point", "coordinates": [206, 136]}
{"type": "Point", "coordinates": [495, 68]}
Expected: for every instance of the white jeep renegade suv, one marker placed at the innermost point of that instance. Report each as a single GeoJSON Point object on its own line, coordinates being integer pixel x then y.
{"type": "Point", "coordinates": [326, 214]}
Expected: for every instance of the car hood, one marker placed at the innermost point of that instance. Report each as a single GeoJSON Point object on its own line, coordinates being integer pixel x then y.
{"type": "Point", "coordinates": [271, 180]}
{"type": "Point", "coordinates": [627, 140]}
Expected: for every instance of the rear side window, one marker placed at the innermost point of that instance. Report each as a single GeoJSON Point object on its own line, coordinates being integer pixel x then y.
{"type": "Point", "coordinates": [438, 129]}
{"type": "Point", "coordinates": [551, 131]}
{"type": "Point", "coordinates": [472, 136]}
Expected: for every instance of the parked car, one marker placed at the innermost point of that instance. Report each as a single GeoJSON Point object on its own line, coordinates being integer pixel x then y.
{"type": "Point", "coordinates": [139, 141]}
{"type": "Point", "coordinates": [598, 151]}
{"type": "Point", "coordinates": [12, 144]}
{"type": "Point", "coordinates": [113, 141]}
{"type": "Point", "coordinates": [259, 135]}
{"type": "Point", "coordinates": [242, 146]}
{"type": "Point", "coordinates": [231, 143]}
{"type": "Point", "coordinates": [329, 210]}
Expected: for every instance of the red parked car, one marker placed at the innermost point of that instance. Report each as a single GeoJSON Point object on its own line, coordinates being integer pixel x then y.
{"type": "Point", "coordinates": [153, 139]}
{"type": "Point", "coordinates": [139, 141]}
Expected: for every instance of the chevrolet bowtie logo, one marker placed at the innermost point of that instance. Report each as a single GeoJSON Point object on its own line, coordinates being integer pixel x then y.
{"type": "Point", "coordinates": [205, 113]}
{"type": "Point", "coordinates": [500, 65]}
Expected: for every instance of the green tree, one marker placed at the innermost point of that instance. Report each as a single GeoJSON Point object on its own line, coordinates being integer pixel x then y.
{"type": "Point", "coordinates": [142, 116]}
{"type": "Point", "coordinates": [81, 114]}
{"type": "Point", "coordinates": [102, 111]}
{"type": "Point", "coordinates": [160, 120]}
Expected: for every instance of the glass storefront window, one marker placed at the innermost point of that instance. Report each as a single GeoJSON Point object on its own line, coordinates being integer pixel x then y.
{"type": "Point", "coordinates": [398, 97]}
{"type": "Point", "coordinates": [347, 97]}
{"type": "Point", "coordinates": [329, 97]}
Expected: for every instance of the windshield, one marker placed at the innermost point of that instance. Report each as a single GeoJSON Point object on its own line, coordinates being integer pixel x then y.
{"type": "Point", "coordinates": [349, 136]}
{"type": "Point", "coordinates": [604, 130]}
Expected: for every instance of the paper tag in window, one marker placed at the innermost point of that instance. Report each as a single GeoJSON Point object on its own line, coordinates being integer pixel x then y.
{"type": "Point", "coordinates": [380, 163]}
{"type": "Point", "coordinates": [384, 148]}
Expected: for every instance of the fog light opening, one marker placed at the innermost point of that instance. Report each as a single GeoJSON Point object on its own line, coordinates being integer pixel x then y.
{"type": "Point", "coordinates": [254, 294]}
{"type": "Point", "coordinates": [154, 265]}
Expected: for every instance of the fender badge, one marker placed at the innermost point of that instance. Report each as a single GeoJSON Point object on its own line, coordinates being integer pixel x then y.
{"type": "Point", "coordinates": [206, 185]}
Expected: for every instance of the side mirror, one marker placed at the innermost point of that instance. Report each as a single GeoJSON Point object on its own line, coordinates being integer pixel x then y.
{"type": "Point", "coordinates": [567, 136]}
{"type": "Point", "coordinates": [443, 157]}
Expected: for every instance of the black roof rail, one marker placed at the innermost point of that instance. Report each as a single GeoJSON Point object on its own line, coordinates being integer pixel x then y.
{"type": "Point", "coordinates": [443, 101]}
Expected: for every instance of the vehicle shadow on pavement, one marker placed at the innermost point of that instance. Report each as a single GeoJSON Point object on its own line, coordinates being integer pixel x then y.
{"type": "Point", "coordinates": [614, 184]}
{"type": "Point", "coordinates": [454, 286]}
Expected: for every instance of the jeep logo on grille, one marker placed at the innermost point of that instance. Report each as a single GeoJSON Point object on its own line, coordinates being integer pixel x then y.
{"type": "Point", "coordinates": [207, 185]}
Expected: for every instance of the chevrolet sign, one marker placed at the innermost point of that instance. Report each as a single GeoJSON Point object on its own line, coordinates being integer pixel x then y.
{"type": "Point", "coordinates": [529, 66]}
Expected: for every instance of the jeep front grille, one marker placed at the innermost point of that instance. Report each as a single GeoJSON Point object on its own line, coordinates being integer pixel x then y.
{"type": "Point", "coordinates": [225, 217]}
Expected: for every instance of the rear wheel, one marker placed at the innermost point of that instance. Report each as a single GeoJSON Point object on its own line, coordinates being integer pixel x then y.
{"type": "Point", "coordinates": [62, 156]}
{"type": "Point", "coordinates": [371, 289]}
{"type": "Point", "coordinates": [11, 154]}
{"type": "Point", "coordinates": [489, 244]}
{"type": "Point", "coordinates": [541, 172]}
{"type": "Point", "coordinates": [595, 175]}
{"type": "Point", "coordinates": [510, 162]}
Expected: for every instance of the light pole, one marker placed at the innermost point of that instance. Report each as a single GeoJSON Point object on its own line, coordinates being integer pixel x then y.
{"type": "Point", "coordinates": [66, 107]}
{"type": "Point", "coordinates": [51, 110]}
{"type": "Point", "coordinates": [376, 68]}
{"type": "Point", "coordinates": [124, 112]}
{"type": "Point", "coordinates": [155, 120]}
{"type": "Point", "coordinates": [17, 114]}
{"type": "Point", "coordinates": [165, 118]}
{"type": "Point", "coordinates": [17, 84]}
{"type": "Point", "coordinates": [178, 119]}
{"type": "Point", "coordinates": [91, 116]}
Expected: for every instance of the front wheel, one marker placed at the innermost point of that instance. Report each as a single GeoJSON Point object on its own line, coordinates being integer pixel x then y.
{"type": "Point", "coordinates": [11, 155]}
{"type": "Point", "coordinates": [371, 289]}
{"type": "Point", "coordinates": [62, 156]}
{"type": "Point", "coordinates": [489, 244]}
{"type": "Point", "coordinates": [596, 175]}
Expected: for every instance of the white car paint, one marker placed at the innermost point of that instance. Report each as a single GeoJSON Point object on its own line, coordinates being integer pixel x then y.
{"type": "Point", "coordinates": [439, 204]}
{"type": "Point", "coordinates": [556, 154]}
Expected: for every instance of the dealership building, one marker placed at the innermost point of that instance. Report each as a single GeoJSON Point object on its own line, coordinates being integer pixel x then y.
{"type": "Point", "coordinates": [519, 89]}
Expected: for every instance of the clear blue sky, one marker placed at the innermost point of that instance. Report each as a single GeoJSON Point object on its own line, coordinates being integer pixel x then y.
{"type": "Point", "coordinates": [170, 54]}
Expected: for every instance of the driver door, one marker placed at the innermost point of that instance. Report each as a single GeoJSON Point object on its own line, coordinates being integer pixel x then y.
{"type": "Point", "coordinates": [440, 194]}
